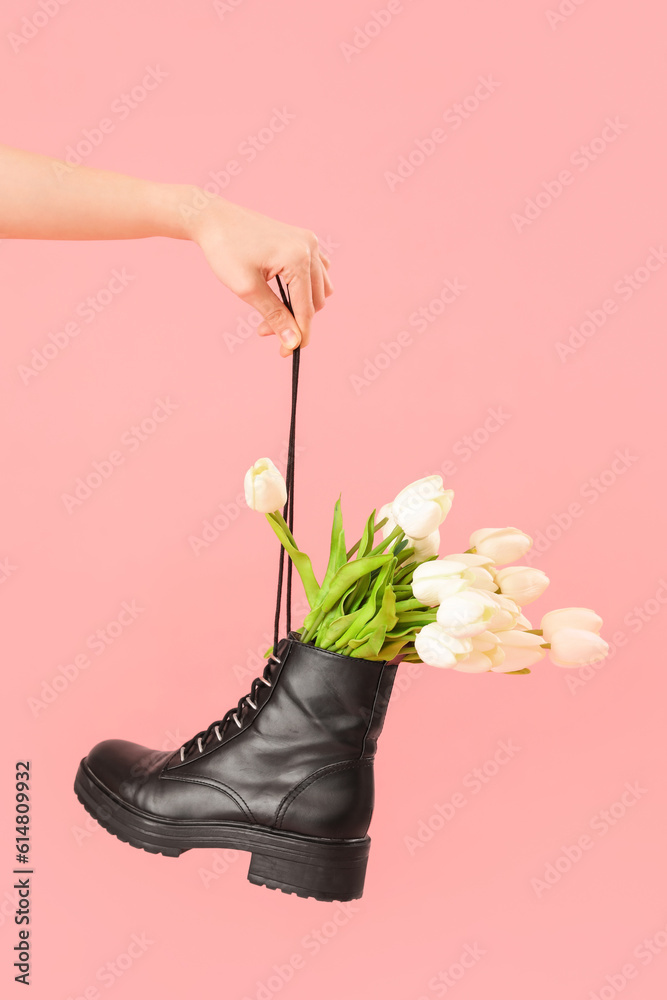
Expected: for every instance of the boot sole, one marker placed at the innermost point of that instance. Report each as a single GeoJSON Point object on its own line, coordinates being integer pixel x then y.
{"type": "Point", "coordinates": [311, 867]}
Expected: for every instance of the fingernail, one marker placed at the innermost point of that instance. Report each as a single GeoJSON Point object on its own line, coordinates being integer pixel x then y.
{"type": "Point", "coordinates": [289, 338]}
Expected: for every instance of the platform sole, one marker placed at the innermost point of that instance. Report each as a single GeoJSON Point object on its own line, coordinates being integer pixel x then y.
{"type": "Point", "coordinates": [313, 867]}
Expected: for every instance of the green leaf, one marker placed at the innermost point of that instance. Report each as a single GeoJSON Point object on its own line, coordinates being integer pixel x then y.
{"type": "Point", "coordinates": [391, 648]}
{"type": "Point", "coordinates": [366, 542]}
{"type": "Point", "coordinates": [345, 578]}
{"type": "Point", "coordinates": [418, 618]}
{"type": "Point", "coordinates": [359, 619]}
{"type": "Point", "coordinates": [355, 597]}
{"type": "Point", "coordinates": [378, 626]}
{"type": "Point", "coordinates": [334, 630]}
{"type": "Point", "coordinates": [348, 575]}
{"type": "Point", "coordinates": [375, 528]}
{"type": "Point", "coordinates": [337, 554]}
{"type": "Point", "coordinates": [300, 559]}
{"type": "Point", "coordinates": [359, 626]}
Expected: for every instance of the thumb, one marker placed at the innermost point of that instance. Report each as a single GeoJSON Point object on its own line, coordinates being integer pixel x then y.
{"type": "Point", "coordinates": [276, 315]}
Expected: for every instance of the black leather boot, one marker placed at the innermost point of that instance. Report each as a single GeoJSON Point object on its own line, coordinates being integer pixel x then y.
{"type": "Point", "coordinates": [287, 775]}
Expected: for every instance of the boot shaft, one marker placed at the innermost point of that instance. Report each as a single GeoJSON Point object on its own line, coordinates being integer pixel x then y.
{"type": "Point", "coordinates": [302, 759]}
{"type": "Point", "coordinates": [327, 700]}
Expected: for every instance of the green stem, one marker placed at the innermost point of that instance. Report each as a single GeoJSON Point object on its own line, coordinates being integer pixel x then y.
{"type": "Point", "coordinates": [410, 604]}
{"type": "Point", "coordinates": [396, 533]}
{"type": "Point", "coordinates": [300, 559]}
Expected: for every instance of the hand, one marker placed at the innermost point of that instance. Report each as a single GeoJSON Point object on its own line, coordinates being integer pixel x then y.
{"type": "Point", "coordinates": [246, 250]}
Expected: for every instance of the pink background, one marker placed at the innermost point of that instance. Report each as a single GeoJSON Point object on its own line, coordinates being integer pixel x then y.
{"type": "Point", "coordinates": [191, 652]}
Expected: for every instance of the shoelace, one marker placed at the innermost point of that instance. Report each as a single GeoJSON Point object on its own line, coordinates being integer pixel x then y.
{"type": "Point", "coordinates": [233, 714]}
{"type": "Point", "coordinates": [218, 728]}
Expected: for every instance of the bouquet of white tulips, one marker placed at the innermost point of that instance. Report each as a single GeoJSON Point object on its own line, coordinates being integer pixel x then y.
{"type": "Point", "coordinates": [397, 598]}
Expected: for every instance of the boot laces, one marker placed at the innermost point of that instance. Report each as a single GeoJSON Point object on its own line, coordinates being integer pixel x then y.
{"type": "Point", "coordinates": [220, 725]}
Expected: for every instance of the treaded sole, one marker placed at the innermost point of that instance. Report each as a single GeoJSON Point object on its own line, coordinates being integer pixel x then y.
{"type": "Point", "coordinates": [308, 867]}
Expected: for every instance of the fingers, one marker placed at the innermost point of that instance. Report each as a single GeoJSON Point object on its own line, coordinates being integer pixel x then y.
{"type": "Point", "coordinates": [277, 318]}
{"type": "Point", "coordinates": [322, 288]}
{"type": "Point", "coordinates": [309, 285]}
{"type": "Point", "coordinates": [318, 293]}
{"type": "Point", "coordinates": [328, 287]}
{"type": "Point", "coordinates": [301, 297]}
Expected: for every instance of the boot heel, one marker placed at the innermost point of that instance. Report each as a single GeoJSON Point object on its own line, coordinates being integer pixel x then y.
{"type": "Point", "coordinates": [326, 872]}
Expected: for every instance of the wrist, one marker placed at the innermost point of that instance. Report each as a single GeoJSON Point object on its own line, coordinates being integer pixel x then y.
{"type": "Point", "coordinates": [206, 214]}
{"type": "Point", "coordinates": [177, 208]}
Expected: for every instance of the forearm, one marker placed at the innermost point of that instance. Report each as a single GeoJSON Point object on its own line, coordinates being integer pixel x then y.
{"type": "Point", "coordinates": [45, 198]}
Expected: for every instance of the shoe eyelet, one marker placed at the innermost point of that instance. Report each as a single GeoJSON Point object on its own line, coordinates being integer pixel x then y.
{"type": "Point", "coordinates": [182, 754]}
{"type": "Point", "coordinates": [217, 733]}
{"type": "Point", "coordinates": [250, 702]}
{"type": "Point", "coordinates": [236, 720]}
{"type": "Point", "coordinates": [199, 744]}
{"type": "Point", "coordinates": [264, 681]}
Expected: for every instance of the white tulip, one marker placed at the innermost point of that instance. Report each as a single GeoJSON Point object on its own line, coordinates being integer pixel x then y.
{"type": "Point", "coordinates": [427, 547]}
{"type": "Point", "coordinates": [577, 647]}
{"type": "Point", "coordinates": [474, 663]}
{"type": "Point", "coordinates": [487, 652]}
{"type": "Point", "coordinates": [433, 581]}
{"type": "Point", "coordinates": [480, 569]}
{"type": "Point", "coordinates": [507, 614]}
{"type": "Point", "coordinates": [522, 583]}
{"type": "Point", "coordinates": [385, 511]}
{"type": "Point", "coordinates": [503, 545]}
{"type": "Point", "coordinates": [466, 614]}
{"type": "Point", "coordinates": [424, 548]}
{"type": "Point", "coordinates": [482, 579]}
{"type": "Point", "coordinates": [470, 559]}
{"type": "Point", "coordinates": [438, 648]}
{"type": "Point", "coordinates": [522, 649]}
{"type": "Point", "coordinates": [422, 506]}
{"type": "Point", "coordinates": [570, 618]}
{"type": "Point", "coordinates": [264, 487]}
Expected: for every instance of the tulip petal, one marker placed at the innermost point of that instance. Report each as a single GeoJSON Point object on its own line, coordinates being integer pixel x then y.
{"type": "Point", "coordinates": [582, 618]}
{"type": "Point", "coordinates": [576, 647]}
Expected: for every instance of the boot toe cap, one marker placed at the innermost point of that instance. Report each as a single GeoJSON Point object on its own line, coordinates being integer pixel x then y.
{"type": "Point", "coordinates": [121, 766]}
